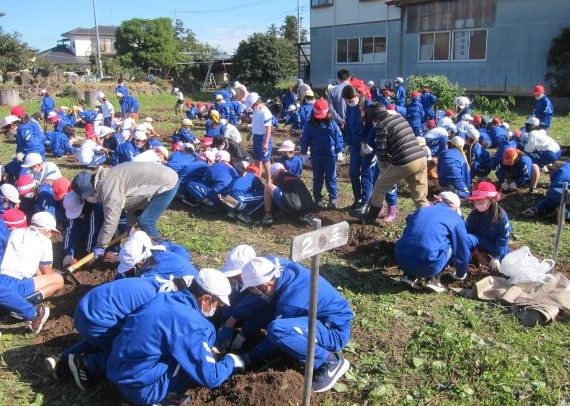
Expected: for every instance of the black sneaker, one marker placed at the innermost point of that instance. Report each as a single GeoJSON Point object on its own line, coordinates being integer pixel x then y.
{"type": "Point", "coordinates": [190, 202]}
{"type": "Point", "coordinates": [332, 204]}
{"type": "Point", "coordinates": [267, 220]}
{"type": "Point", "coordinates": [57, 367]}
{"type": "Point", "coordinates": [79, 371]}
{"type": "Point", "coordinates": [434, 285]}
{"type": "Point", "coordinates": [410, 282]}
{"type": "Point", "coordinates": [232, 214]}
{"type": "Point", "coordinates": [361, 208]}
{"type": "Point", "coordinates": [326, 376]}
{"type": "Point", "coordinates": [319, 206]}
{"type": "Point", "coordinates": [245, 218]}
{"type": "Point", "coordinates": [37, 324]}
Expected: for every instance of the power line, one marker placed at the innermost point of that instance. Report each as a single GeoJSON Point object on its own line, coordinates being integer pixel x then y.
{"type": "Point", "coordinates": [244, 5]}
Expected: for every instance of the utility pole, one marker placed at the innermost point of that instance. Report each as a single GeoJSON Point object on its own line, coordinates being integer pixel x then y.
{"type": "Point", "coordinates": [98, 43]}
{"type": "Point", "coordinates": [299, 39]}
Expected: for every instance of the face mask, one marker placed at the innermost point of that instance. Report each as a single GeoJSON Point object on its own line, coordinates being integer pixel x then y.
{"type": "Point", "coordinates": [353, 102]}
{"type": "Point", "coordinates": [30, 195]}
{"type": "Point", "coordinates": [210, 313]}
{"type": "Point", "coordinates": [537, 97]}
{"type": "Point", "coordinates": [482, 205]}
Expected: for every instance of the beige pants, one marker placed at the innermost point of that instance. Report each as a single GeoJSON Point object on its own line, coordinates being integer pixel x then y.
{"type": "Point", "coordinates": [415, 175]}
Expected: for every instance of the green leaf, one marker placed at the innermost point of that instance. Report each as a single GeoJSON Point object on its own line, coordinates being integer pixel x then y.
{"type": "Point", "coordinates": [340, 387]}
{"type": "Point", "coordinates": [438, 364]}
{"type": "Point", "coordinates": [539, 384]}
{"type": "Point", "coordinates": [418, 362]}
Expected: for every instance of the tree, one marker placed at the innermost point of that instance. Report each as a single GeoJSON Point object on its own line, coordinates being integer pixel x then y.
{"type": "Point", "coordinates": [558, 63]}
{"type": "Point", "coordinates": [15, 54]}
{"type": "Point", "coordinates": [148, 44]}
{"type": "Point", "coordinates": [264, 59]}
{"type": "Point", "coordinates": [288, 30]}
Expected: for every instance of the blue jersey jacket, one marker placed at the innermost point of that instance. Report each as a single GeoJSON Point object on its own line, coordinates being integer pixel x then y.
{"type": "Point", "coordinates": [294, 165]}
{"type": "Point", "coordinates": [189, 167]}
{"type": "Point", "coordinates": [432, 233]}
{"type": "Point", "coordinates": [59, 144]}
{"type": "Point", "coordinates": [247, 183]}
{"type": "Point", "coordinates": [47, 105]}
{"type": "Point", "coordinates": [452, 170]}
{"type": "Point", "coordinates": [183, 134]}
{"type": "Point", "coordinates": [400, 96]}
{"type": "Point", "coordinates": [325, 140]}
{"type": "Point", "coordinates": [493, 237]}
{"type": "Point", "coordinates": [219, 176]}
{"type": "Point", "coordinates": [428, 101]}
{"type": "Point", "coordinates": [519, 172]}
{"type": "Point", "coordinates": [29, 138]}
{"type": "Point", "coordinates": [543, 110]}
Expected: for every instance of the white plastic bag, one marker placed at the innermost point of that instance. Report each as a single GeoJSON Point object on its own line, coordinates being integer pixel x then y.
{"type": "Point", "coordinates": [523, 267]}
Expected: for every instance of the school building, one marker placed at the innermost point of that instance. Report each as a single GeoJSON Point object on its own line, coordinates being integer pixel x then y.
{"type": "Point", "coordinates": [487, 46]}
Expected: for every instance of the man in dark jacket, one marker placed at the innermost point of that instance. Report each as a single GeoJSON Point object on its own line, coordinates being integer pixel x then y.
{"type": "Point", "coordinates": [400, 157]}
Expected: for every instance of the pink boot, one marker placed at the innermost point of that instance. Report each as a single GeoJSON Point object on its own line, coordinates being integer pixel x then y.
{"type": "Point", "coordinates": [392, 214]}
{"type": "Point", "coordinates": [383, 210]}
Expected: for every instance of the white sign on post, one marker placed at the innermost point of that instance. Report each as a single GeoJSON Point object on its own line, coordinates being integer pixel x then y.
{"type": "Point", "coordinates": [316, 242]}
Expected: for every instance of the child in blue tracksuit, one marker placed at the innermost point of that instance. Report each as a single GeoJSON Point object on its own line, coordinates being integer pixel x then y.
{"type": "Point", "coordinates": [453, 170]}
{"type": "Point", "coordinates": [292, 162]}
{"type": "Point", "coordinates": [400, 96]}
{"type": "Point", "coordinates": [213, 125]}
{"type": "Point", "coordinates": [167, 343]}
{"type": "Point", "coordinates": [463, 107]}
{"type": "Point", "coordinates": [488, 224]}
{"type": "Point", "coordinates": [216, 180]}
{"type": "Point", "coordinates": [192, 112]}
{"type": "Point", "coordinates": [188, 165]}
{"type": "Point", "coordinates": [183, 133]}
{"type": "Point", "coordinates": [287, 288]}
{"type": "Point", "coordinates": [59, 143]}
{"type": "Point", "coordinates": [415, 114]}
{"type": "Point", "coordinates": [428, 101]}
{"type": "Point", "coordinates": [29, 138]}
{"type": "Point", "coordinates": [479, 159]}
{"type": "Point", "coordinates": [553, 196]}
{"type": "Point", "coordinates": [361, 166]}
{"type": "Point", "coordinates": [434, 236]}
{"type": "Point", "coordinates": [306, 109]}
{"type": "Point", "coordinates": [248, 191]}
{"type": "Point", "coordinates": [323, 137]}
{"type": "Point", "coordinates": [543, 109]}
{"type": "Point", "coordinates": [497, 133]}
{"type": "Point", "coordinates": [121, 88]}
{"type": "Point", "coordinates": [47, 105]}
{"type": "Point", "coordinates": [514, 170]}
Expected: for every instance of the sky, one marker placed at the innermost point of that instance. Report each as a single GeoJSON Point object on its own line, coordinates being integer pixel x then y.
{"type": "Point", "coordinates": [222, 23]}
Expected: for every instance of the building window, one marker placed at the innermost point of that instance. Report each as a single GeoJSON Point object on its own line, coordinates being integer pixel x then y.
{"type": "Point", "coordinates": [450, 15]}
{"type": "Point", "coordinates": [321, 3]}
{"type": "Point", "coordinates": [367, 49]}
{"type": "Point", "coordinates": [465, 46]}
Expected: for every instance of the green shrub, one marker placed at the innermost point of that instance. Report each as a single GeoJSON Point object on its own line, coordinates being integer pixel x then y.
{"type": "Point", "coordinates": [68, 91]}
{"type": "Point", "coordinates": [440, 85]}
{"type": "Point", "coordinates": [499, 107]}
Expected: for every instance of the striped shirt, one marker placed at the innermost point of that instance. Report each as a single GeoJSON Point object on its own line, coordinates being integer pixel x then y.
{"type": "Point", "coordinates": [396, 143]}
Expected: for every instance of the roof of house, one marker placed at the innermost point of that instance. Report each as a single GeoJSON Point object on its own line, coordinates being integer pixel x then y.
{"type": "Point", "coordinates": [104, 31]}
{"type": "Point", "coordinates": [401, 3]}
{"type": "Point", "coordinates": [61, 55]}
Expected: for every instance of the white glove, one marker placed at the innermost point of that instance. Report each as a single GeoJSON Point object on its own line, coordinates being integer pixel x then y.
{"type": "Point", "coordinates": [238, 342]}
{"type": "Point", "coordinates": [238, 362]}
{"type": "Point", "coordinates": [505, 185]}
{"type": "Point", "coordinates": [458, 278]}
{"type": "Point", "coordinates": [340, 156]}
{"type": "Point", "coordinates": [366, 149]}
{"type": "Point", "coordinates": [98, 251]}
{"type": "Point", "coordinates": [512, 186]}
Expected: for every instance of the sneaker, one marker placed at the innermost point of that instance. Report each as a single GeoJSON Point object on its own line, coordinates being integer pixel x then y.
{"type": "Point", "coordinates": [57, 367]}
{"type": "Point", "coordinates": [354, 205]}
{"type": "Point", "coordinates": [410, 282]}
{"type": "Point", "coordinates": [319, 206]}
{"type": "Point", "coordinates": [434, 285]}
{"type": "Point", "coordinates": [495, 265]}
{"type": "Point", "coordinates": [37, 324]}
{"type": "Point", "coordinates": [361, 208]}
{"type": "Point", "coordinates": [267, 220]}
{"type": "Point", "coordinates": [175, 399]}
{"type": "Point", "coordinates": [79, 371]}
{"type": "Point", "coordinates": [332, 204]}
{"type": "Point", "coordinates": [326, 376]}
{"type": "Point", "coordinates": [190, 202]}
{"type": "Point", "coordinates": [232, 214]}
{"type": "Point", "coordinates": [245, 218]}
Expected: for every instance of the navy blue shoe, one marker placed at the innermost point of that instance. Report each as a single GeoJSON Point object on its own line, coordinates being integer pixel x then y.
{"type": "Point", "coordinates": [331, 371]}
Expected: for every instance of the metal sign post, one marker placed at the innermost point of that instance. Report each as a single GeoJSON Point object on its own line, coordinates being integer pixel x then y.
{"type": "Point", "coordinates": [310, 245]}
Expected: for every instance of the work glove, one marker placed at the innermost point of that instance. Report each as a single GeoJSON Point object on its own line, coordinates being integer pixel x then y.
{"type": "Point", "coordinates": [98, 251]}
{"type": "Point", "coordinates": [340, 157]}
{"type": "Point", "coordinates": [458, 278]}
{"type": "Point", "coordinates": [513, 186]}
{"type": "Point", "coordinates": [505, 185]}
{"type": "Point", "coordinates": [224, 338]}
{"type": "Point", "coordinates": [240, 363]}
{"type": "Point", "coordinates": [366, 149]}
{"type": "Point", "coordinates": [238, 342]}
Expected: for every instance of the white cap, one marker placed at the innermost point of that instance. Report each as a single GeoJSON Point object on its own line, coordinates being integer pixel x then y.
{"type": "Point", "coordinates": [533, 121]}
{"type": "Point", "coordinates": [140, 135]}
{"type": "Point", "coordinates": [210, 155]}
{"type": "Point", "coordinates": [33, 158]}
{"type": "Point", "coordinates": [104, 130]}
{"type": "Point", "coordinates": [223, 156]}
{"type": "Point", "coordinates": [473, 133]}
{"type": "Point", "coordinates": [99, 95]}
{"type": "Point", "coordinates": [215, 283]}
{"type": "Point", "coordinates": [259, 271]}
{"type": "Point", "coordinates": [236, 83]}
{"type": "Point", "coordinates": [43, 91]}
{"type": "Point", "coordinates": [187, 122]}
{"type": "Point", "coordinates": [176, 90]}
{"type": "Point", "coordinates": [162, 149]}
{"type": "Point", "coordinates": [148, 119]}
{"type": "Point", "coordinates": [458, 141]}
{"type": "Point", "coordinates": [450, 127]}
{"type": "Point", "coordinates": [251, 99]}
{"type": "Point", "coordinates": [275, 167]}
{"type": "Point", "coordinates": [462, 101]}
{"type": "Point", "coordinates": [399, 80]}
{"type": "Point", "coordinates": [9, 120]}
{"type": "Point", "coordinates": [467, 117]}
{"type": "Point", "coordinates": [449, 198]}
{"type": "Point", "coordinates": [10, 192]}
{"type": "Point", "coordinates": [136, 249]}
{"type": "Point", "coordinates": [287, 146]}
{"type": "Point", "coordinates": [223, 121]}
{"type": "Point", "coordinates": [73, 205]}
{"type": "Point", "coordinates": [237, 259]}
{"type": "Point", "coordinates": [54, 114]}
{"type": "Point", "coordinates": [126, 134]}
{"type": "Point", "coordinates": [370, 83]}
{"type": "Point", "coordinates": [44, 220]}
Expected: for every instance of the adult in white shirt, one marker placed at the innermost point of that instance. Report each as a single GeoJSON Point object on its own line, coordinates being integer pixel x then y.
{"type": "Point", "coordinates": [26, 273]}
{"type": "Point", "coordinates": [261, 126]}
{"type": "Point", "coordinates": [43, 172]}
{"type": "Point", "coordinates": [231, 131]}
{"type": "Point", "coordinates": [541, 148]}
{"type": "Point", "coordinates": [91, 154]}
{"type": "Point", "coordinates": [179, 101]}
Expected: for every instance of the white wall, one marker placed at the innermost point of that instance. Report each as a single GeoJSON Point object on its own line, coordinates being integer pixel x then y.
{"type": "Point", "coordinates": [352, 12]}
{"type": "Point", "coordinates": [82, 46]}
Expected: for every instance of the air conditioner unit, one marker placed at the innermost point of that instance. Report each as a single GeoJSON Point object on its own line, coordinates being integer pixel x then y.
{"type": "Point", "coordinates": [386, 84]}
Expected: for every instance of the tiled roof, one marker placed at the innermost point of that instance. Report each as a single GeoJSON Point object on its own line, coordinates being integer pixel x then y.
{"type": "Point", "coordinates": [104, 31]}
{"type": "Point", "coordinates": [61, 55]}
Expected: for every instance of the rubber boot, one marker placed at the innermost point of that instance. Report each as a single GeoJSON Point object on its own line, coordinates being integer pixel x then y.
{"type": "Point", "coordinates": [392, 214]}
{"type": "Point", "coordinates": [370, 216]}
{"type": "Point", "coordinates": [384, 210]}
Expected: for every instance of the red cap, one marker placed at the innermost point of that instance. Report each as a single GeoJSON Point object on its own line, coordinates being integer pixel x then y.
{"type": "Point", "coordinates": [254, 169]}
{"type": "Point", "coordinates": [517, 133]}
{"type": "Point", "coordinates": [416, 94]}
{"type": "Point", "coordinates": [199, 105]}
{"type": "Point", "coordinates": [206, 142]}
{"type": "Point", "coordinates": [538, 89]}
{"type": "Point", "coordinates": [60, 188]}
{"type": "Point", "coordinates": [426, 89]}
{"type": "Point", "coordinates": [25, 184]}
{"type": "Point", "coordinates": [477, 119]}
{"type": "Point", "coordinates": [391, 107]}
{"type": "Point", "coordinates": [15, 218]}
{"type": "Point", "coordinates": [320, 108]}
{"type": "Point", "coordinates": [496, 121]}
{"type": "Point", "coordinates": [90, 131]}
{"type": "Point", "coordinates": [18, 111]}
{"type": "Point", "coordinates": [449, 113]}
{"type": "Point", "coordinates": [177, 146]}
{"type": "Point", "coordinates": [510, 156]}
{"type": "Point", "coordinates": [430, 124]}
{"type": "Point", "coordinates": [188, 103]}
{"type": "Point", "coordinates": [483, 190]}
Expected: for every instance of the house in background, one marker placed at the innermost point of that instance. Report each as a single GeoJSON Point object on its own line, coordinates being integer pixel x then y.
{"type": "Point", "coordinates": [487, 46]}
{"type": "Point", "coordinates": [79, 44]}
